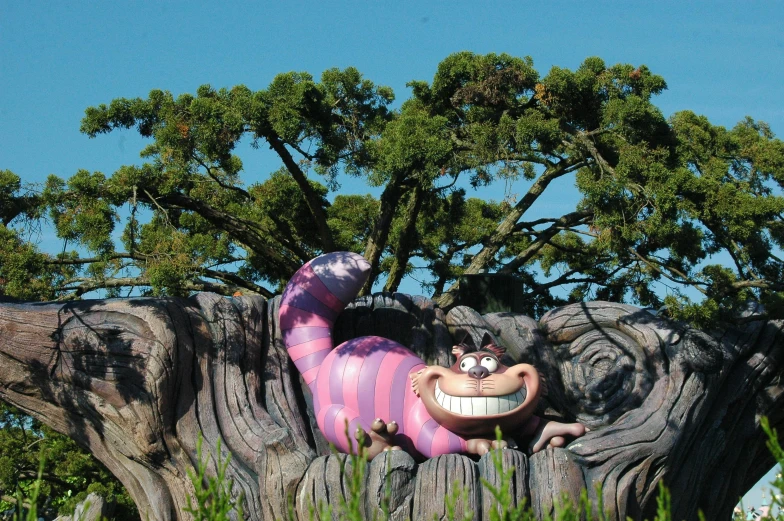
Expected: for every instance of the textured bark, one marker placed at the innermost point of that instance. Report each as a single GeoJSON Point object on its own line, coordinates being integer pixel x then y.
{"type": "Point", "coordinates": [93, 508]}
{"type": "Point", "coordinates": [407, 240]}
{"type": "Point", "coordinates": [380, 233]}
{"type": "Point", "coordinates": [138, 381]}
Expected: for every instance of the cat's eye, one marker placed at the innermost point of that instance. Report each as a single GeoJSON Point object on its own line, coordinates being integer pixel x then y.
{"type": "Point", "coordinates": [467, 364]}
{"type": "Point", "coordinates": [490, 363]}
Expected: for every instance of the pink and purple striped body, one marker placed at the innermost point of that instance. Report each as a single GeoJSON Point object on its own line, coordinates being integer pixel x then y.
{"type": "Point", "coordinates": [362, 379]}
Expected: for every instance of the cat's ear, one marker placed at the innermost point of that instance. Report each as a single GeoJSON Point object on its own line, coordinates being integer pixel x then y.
{"type": "Point", "coordinates": [488, 344]}
{"type": "Point", "coordinates": [465, 344]}
{"type": "Point", "coordinates": [460, 350]}
{"type": "Point", "coordinates": [415, 380]}
{"type": "Point", "coordinates": [487, 340]}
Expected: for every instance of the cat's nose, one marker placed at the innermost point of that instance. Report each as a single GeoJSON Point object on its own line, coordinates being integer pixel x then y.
{"type": "Point", "coordinates": [478, 372]}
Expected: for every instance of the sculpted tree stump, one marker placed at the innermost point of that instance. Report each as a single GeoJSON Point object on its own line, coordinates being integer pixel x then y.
{"type": "Point", "coordinates": [138, 381]}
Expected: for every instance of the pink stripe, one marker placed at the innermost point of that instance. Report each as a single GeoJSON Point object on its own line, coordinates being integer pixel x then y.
{"type": "Point", "coordinates": [440, 443]}
{"type": "Point", "coordinates": [340, 429]}
{"type": "Point", "coordinates": [291, 317]}
{"type": "Point", "coordinates": [410, 399]}
{"type": "Point", "coordinates": [307, 279]}
{"type": "Point", "coordinates": [351, 373]}
{"type": "Point", "coordinates": [401, 386]}
{"type": "Point", "coordinates": [322, 387]}
{"type": "Point", "coordinates": [310, 375]}
{"type": "Point", "coordinates": [386, 374]}
{"type": "Point", "coordinates": [327, 424]}
{"type": "Point", "coordinates": [298, 351]}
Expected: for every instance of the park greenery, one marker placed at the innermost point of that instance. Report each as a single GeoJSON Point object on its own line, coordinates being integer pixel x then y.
{"type": "Point", "coordinates": [672, 213]}
{"type": "Point", "coordinates": [67, 477]}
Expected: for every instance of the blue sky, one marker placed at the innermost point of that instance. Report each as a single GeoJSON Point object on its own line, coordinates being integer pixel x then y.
{"type": "Point", "coordinates": [721, 59]}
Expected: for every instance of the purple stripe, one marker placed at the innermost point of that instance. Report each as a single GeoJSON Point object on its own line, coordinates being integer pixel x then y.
{"type": "Point", "coordinates": [300, 335]}
{"type": "Point", "coordinates": [312, 360]}
{"type": "Point", "coordinates": [401, 384]}
{"type": "Point", "coordinates": [352, 428]}
{"type": "Point", "coordinates": [297, 297]}
{"type": "Point", "coordinates": [367, 383]}
{"type": "Point", "coordinates": [426, 435]}
{"type": "Point", "coordinates": [455, 446]}
{"type": "Point", "coordinates": [329, 423]}
{"type": "Point", "coordinates": [342, 354]}
{"type": "Point", "coordinates": [343, 273]}
{"type": "Point", "coordinates": [307, 279]}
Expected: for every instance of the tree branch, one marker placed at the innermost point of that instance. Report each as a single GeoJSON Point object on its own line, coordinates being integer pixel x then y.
{"type": "Point", "coordinates": [592, 150]}
{"type": "Point", "coordinates": [90, 260]}
{"type": "Point", "coordinates": [287, 238]}
{"type": "Point", "coordinates": [30, 474]}
{"type": "Point", "coordinates": [17, 206]}
{"type": "Point", "coordinates": [482, 259]}
{"type": "Point", "coordinates": [406, 242]}
{"type": "Point", "coordinates": [82, 285]}
{"type": "Point", "coordinates": [225, 276]}
{"type": "Point", "coordinates": [544, 237]}
{"type": "Point", "coordinates": [564, 279]}
{"type": "Point", "coordinates": [236, 280]}
{"type": "Point", "coordinates": [761, 283]}
{"type": "Point", "coordinates": [377, 241]}
{"type": "Point", "coordinates": [244, 193]}
{"type": "Point", "coordinates": [244, 231]}
{"type": "Point", "coordinates": [656, 266]}
{"type": "Point", "coordinates": [304, 154]}
{"type": "Point", "coordinates": [311, 198]}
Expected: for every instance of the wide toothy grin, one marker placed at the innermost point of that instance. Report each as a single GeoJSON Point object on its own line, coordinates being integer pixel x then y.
{"type": "Point", "coordinates": [479, 405]}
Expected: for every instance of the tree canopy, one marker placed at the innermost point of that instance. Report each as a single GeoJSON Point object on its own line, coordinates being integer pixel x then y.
{"type": "Point", "coordinates": [674, 213]}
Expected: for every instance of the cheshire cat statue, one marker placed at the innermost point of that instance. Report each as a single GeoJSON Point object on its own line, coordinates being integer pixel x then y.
{"type": "Point", "coordinates": [387, 395]}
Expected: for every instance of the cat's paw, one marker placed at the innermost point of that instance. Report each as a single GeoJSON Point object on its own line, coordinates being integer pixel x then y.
{"type": "Point", "coordinates": [555, 434]}
{"type": "Point", "coordinates": [379, 439]}
{"type": "Point", "coordinates": [481, 446]}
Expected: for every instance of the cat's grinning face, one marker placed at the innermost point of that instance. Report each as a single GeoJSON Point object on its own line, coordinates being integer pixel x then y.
{"type": "Point", "coordinates": [478, 393]}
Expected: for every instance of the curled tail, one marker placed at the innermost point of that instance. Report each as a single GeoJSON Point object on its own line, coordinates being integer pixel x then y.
{"type": "Point", "coordinates": [312, 300]}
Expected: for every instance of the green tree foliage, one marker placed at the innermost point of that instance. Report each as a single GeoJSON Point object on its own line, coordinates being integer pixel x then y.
{"type": "Point", "coordinates": [672, 213]}
{"type": "Point", "coordinates": [69, 473]}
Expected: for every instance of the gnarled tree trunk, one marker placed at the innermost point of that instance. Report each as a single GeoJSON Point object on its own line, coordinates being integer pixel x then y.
{"type": "Point", "coordinates": [138, 381]}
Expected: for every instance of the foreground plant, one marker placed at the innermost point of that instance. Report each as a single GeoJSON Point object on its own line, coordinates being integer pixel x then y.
{"type": "Point", "coordinates": [777, 485]}
{"type": "Point", "coordinates": [27, 507]}
{"type": "Point", "coordinates": [212, 493]}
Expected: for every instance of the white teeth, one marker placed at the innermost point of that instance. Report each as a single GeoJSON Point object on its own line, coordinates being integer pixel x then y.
{"type": "Point", "coordinates": [509, 402]}
{"type": "Point", "coordinates": [492, 406]}
{"type": "Point", "coordinates": [479, 405]}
